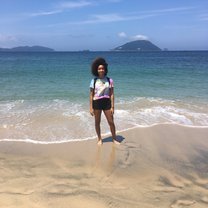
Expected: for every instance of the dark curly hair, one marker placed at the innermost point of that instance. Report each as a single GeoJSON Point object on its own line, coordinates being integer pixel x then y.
{"type": "Point", "coordinates": [97, 62]}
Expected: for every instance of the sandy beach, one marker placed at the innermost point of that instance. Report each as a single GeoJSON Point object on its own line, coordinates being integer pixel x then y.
{"type": "Point", "coordinates": [158, 166]}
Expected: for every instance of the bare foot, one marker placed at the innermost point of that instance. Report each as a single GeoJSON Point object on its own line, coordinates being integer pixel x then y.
{"type": "Point", "coordinates": [115, 141]}
{"type": "Point", "coordinates": [100, 142]}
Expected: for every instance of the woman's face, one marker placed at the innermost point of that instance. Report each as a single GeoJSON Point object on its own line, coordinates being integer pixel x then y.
{"type": "Point", "coordinates": [101, 71]}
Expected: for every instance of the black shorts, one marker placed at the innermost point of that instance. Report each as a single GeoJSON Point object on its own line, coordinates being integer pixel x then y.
{"type": "Point", "coordinates": [102, 104]}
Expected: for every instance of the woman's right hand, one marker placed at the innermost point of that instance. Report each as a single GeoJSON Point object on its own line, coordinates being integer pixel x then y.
{"type": "Point", "coordinates": [92, 111]}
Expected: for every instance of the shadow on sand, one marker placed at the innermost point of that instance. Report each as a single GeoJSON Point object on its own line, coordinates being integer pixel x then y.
{"type": "Point", "coordinates": [119, 138]}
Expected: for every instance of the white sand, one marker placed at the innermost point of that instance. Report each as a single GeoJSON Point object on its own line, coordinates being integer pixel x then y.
{"type": "Point", "coordinates": [159, 166]}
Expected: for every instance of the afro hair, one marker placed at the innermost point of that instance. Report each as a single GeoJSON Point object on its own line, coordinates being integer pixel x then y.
{"type": "Point", "coordinates": [97, 62]}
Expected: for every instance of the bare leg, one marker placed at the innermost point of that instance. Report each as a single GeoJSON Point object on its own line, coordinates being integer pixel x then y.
{"type": "Point", "coordinates": [97, 125]}
{"type": "Point", "coordinates": [109, 117]}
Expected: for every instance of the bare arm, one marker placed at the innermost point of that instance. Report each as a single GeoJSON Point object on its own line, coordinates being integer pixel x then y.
{"type": "Point", "coordinates": [91, 100]}
{"type": "Point", "coordinates": [112, 100]}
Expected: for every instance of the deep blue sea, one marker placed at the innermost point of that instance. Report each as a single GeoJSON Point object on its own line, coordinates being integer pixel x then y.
{"type": "Point", "coordinates": [44, 97]}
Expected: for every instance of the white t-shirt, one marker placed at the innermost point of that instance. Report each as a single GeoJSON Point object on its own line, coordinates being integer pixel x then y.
{"type": "Point", "coordinates": [102, 88]}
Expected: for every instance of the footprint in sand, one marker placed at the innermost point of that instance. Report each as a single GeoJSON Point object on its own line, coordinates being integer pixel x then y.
{"type": "Point", "coordinates": [174, 181]}
{"type": "Point", "coordinates": [202, 182]}
{"type": "Point", "coordinates": [125, 161]}
{"type": "Point", "coordinates": [182, 203]}
{"type": "Point", "coordinates": [165, 189]}
{"type": "Point", "coordinates": [204, 199]}
{"type": "Point", "coordinates": [128, 149]}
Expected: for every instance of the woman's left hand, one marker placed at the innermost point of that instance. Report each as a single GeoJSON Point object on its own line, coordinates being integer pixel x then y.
{"type": "Point", "coordinates": [112, 111]}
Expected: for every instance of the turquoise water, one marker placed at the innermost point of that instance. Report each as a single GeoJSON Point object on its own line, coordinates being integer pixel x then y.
{"type": "Point", "coordinates": [45, 96]}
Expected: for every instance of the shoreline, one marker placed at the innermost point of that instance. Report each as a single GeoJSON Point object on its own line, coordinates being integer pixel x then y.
{"type": "Point", "coordinates": [159, 166]}
{"type": "Point", "coordinates": [103, 135]}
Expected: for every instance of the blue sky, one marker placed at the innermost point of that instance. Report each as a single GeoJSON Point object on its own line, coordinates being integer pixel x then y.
{"type": "Point", "coordinates": [70, 25]}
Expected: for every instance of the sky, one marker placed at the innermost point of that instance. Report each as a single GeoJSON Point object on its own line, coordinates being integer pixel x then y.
{"type": "Point", "coordinates": [100, 25]}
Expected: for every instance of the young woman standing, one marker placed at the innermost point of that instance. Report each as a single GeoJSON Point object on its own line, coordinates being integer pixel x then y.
{"type": "Point", "coordinates": [102, 97]}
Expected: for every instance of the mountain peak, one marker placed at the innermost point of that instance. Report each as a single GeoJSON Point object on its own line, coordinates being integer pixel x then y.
{"type": "Point", "coordinates": [138, 45]}
{"type": "Point", "coordinates": [28, 49]}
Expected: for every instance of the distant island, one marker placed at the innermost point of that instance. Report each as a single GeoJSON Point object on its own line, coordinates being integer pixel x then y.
{"type": "Point", "coordinates": [138, 45]}
{"type": "Point", "coordinates": [27, 49]}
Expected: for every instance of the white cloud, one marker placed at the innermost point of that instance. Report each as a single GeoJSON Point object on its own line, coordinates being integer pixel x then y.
{"type": "Point", "coordinates": [74, 4]}
{"type": "Point", "coordinates": [114, 1]}
{"type": "Point", "coordinates": [107, 18]}
{"type": "Point", "coordinates": [103, 18]}
{"type": "Point", "coordinates": [136, 16]}
{"type": "Point", "coordinates": [113, 17]}
{"type": "Point", "coordinates": [134, 37]}
{"type": "Point", "coordinates": [166, 11]}
{"type": "Point", "coordinates": [45, 13]}
{"type": "Point", "coordinates": [61, 7]}
{"type": "Point", "coordinates": [139, 37]}
{"type": "Point", "coordinates": [203, 17]}
{"type": "Point", "coordinates": [7, 38]}
{"type": "Point", "coordinates": [95, 19]}
{"type": "Point", "coordinates": [122, 35]}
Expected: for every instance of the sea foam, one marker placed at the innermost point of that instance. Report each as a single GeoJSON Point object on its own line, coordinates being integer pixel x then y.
{"type": "Point", "coordinates": [62, 120]}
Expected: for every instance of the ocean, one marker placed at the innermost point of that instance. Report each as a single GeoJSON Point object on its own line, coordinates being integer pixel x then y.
{"type": "Point", "coordinates": [44, 97]}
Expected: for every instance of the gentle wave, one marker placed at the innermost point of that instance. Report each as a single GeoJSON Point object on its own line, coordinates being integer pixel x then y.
{"type": "Point", "coordinates": [94, 137]}
{"type": "Point", "coordinates": [61, 121]}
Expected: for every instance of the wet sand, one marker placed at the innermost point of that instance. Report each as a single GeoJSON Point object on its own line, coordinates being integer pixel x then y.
{"type": "Point", "coordinates": [158, 166]}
